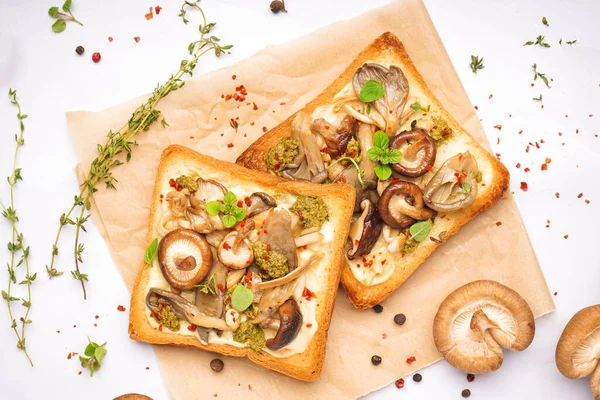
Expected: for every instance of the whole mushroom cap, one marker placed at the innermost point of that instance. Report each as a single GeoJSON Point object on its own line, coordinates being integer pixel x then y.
{"type": "Point", "coordinates": [578, 349]}
{"type": "Point", "coordinates": [476, 320]}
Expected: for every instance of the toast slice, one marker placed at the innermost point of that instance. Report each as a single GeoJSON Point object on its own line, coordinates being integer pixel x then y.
{"type": "Point", "coordinates": [492, 178]}
{"type": "Point", "coordinates": [303, 357]}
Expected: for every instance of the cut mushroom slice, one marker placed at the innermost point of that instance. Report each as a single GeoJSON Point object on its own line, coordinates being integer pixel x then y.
{"type": "Point", "coordinates": [291, 322]}
{"type": "Point", "coordinates": [309, 238]}
{"type": "Point", "coordinates": [578, 349]}
{"type": "Point", "coordinates": [394, 238]}
{"type": "Point", "coordinates": [313, 260]}
{"type": "Point", "coordinates": [183, 309]}
{"type": "Point", "coordinates": [184, 257]}
{"type": "Point", "coordinates": [401, 203]}
{"type": "Point", "coordinates": [476, 320]}
{"type": "Point", "coordinates": [373, 118]}
{"type": "Point", "coordinates": [233, 319]}
{"type": "Point", "coordinates": [365, 231]}
{"type": "Point", "coordinates": [391, 105]}
{"type": "Point", "coordinates": [454, 185]}
{"type": "Point", "coordinates": [235, 255]}
{"type": "Point", "coordinates": [259, 202]}
{"type": "Point", "coordinates": [418, 152]}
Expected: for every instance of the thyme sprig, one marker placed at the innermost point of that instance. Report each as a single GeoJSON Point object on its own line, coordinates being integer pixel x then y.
{"type": "Point", "coordinates": [16, 245]}
{"type": "Point", "coordinates": [476, 64]}
{"type": "Point", "coordinates": [190, 4]}
{"type": "Point", "coordinates": [119, 145]}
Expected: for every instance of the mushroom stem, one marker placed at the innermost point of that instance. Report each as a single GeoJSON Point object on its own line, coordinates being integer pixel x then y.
{"type": "Point", "coordinates": [314, 259]}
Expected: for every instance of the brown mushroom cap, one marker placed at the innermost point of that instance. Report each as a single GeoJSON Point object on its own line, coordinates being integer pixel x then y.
{"type": "Point", "coordinates": [578, 349]}
{"type": "Point", "coordinates": [132, 396]}
{"type": "Point", "coordinates": [184, 257]}
{"type": "Point", "coordinates": [476, 320]}
{"type": "Point", "coordinates": [365, 231]}
{"type": "Point", "coordinates": [259, 202]}
{"type": "Point", "coordinates": [291, 322]}
{"type": "Point", "coordinates": [336, 138]}
{"type": "Point", "coordinates": [401, 203]}
{"type": "Point", "coordinates": [418, 152]}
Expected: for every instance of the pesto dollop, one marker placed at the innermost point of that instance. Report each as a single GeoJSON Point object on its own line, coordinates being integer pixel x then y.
{"type": "Point", "coordinates": [311, 211]}
{"type": "Point", "coordinates": [271, 263]}
{"type": "Point", "coordinates": [251, 312]}
{"type": "Point", "coordinates": [165, 316]}
{"type": "Point", "coordinates": [353, 149]}
{"type": "Point", "coordinates": [441, 130]}
{"type": "Point", "coordinates": [410, 244]}
{"type": "Point", "coordinates": [282, 153]}
{"type": "Point", "coordinates": [251, 335]}
{"type": "Point", "coordinates": [187, 182]}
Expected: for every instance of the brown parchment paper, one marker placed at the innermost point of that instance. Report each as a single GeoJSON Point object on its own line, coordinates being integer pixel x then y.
{"type": "Point", "coordinates": [280, 80]}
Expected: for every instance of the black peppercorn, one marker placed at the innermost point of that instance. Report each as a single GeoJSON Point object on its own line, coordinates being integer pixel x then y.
{"type": "Point", "coordinates": [79, 50]}
{"type": "Point", "coordinates": [466, 393]}
{"type": "Point", "coordinates": [400, 319]}
{"type": "Point", "coordinates": [417, 377]}
{"type": "Point", "coordinates": [376, 360]}
{"type": "Point", "coordinates": [470, 377]}
{"type": "Point", "coordinates": [217, 365]}
{"type": "Point", "coordinates": [277, 6]}
{"type": "Point", "coordinates": [378, 308]}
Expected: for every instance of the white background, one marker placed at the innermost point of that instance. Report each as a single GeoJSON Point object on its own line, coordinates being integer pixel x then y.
{"type": "Point", "coordinates": [52, 79]}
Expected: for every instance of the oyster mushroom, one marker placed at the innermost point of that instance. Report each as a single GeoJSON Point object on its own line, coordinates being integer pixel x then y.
{"type": "Point", "coordinates": [454, 185]}
{"type": "Point", "coordinates": [235, 252]}
{"type": "Point", "coordinates": [391, 105]}
{"type": "Point", "coordinates": [212, 304]}
{"type": "Point", "coordinates": [313, 260]}
{"type": "Point", "coordinates": [202, 222]}
{"type": "Point", "coordinates": [314, 162]}
{"type": "Point", "coordinates": [277, 233]}
{"type": "Point", "coordinates": [183, 308]}
{"type": "Point", "coordinates": [271, 300]}
{"type": "Point", "coordinates": [259, 202]}
{"type": "Point", "coordinates": [476, 320]}
{"type": "Point", "coordinates": [291, 322]}
{"type": "Point", "coordinates": [401, 203]}
{"type": "Point", "coordinates": [365, 231]}
{"type": "Point", "coordinates": [208, 190]}
{"type": "Point", "coordinates": [578, 349]}
{"type": "Point", "coordinates": [184, 257]}
{"type": "Point", "coordinates": [336, 138]}
{"type": "Point", "coordinates": [418, 152]}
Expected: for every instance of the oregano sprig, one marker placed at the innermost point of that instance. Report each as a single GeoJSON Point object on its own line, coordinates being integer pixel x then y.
{"type": "Point", "coordinates": [62, 17]}
{"type": "Point", "coordinates": [384, 155]}
{"type": "Point", "coordinates": [119, 146]}
{"type": "Point", "coordinates": [537, 74]}
{"type": "Point", "coordinates": [232, 214]}
{"type": "Point", "coordinates": [94, 354]}
{"type": "Point", "coordinates": [16, 246]}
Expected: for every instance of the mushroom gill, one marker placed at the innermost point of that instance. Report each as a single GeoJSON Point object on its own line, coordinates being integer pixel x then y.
{"type": "Point", "coordinates": [184, 257]}
{"type": "Point", "coordinates": [314, 162]}
{"type": "Point", "coordinates": [476, 320]}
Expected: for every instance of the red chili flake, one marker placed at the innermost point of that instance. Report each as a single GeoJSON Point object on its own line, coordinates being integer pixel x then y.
{"type": "Point", "coordinates": [477, 108]}
{"type": "Point", "coordinates": [591, 115]}
{"type": "Point", "coordinates": [411, 359]}
{"type": "Point", "coordinates": [226, 246]}
{"type": "Point", "coordinates": [524, 186]}
{"type": "Point", "coordinates": [587, 201]}
{"type": "Point", "coordinates": [137, 39]}
{"type": "Point", "coordinates": [579, 195]}
{"type": "Point", "coordinates": [264, 129]}
{"type": "Point", "coordinates": [498, 142]}
{"type": "Point", "coordinates": [566, 115]}
{"type": "Point", "coordinates": [542, 141]}
{"type": "Point", "coordinates": [559, 133]}
{"type": "Point", "coordinates": [491, 95]}
{"type": "Point", "coordinates": [172, 182]}
{"type": "Point", "coordinates": [254, 107]}
{"type": "Point", "coordinates": [557, 195]}
{"type": "Point", "coordinates": [192, 328]}
{"type": "Point", "coordinates": [498, 155]}
{"type": "Point", "coordinates": [399, 383]}
{"type": "Point", "coordinates": [384, 335]}
{"type": "Point", "coordinates": [69, 356]}
{"type": "Point", "coordinates": [498, 223]}
{"type": "Point", "coordinates": [233, 77]}
{"type": "Point", "coordinates": [96, 317]}
{"type": "Point", "coordinates": [518, 165]}
{"type": "Point", "coordinates": [527, 149]}
{"type": "Point", "coordinates": [566, 236]}
{"type": "Point", "coordinates": [266, 258]}
{"type": "Point", "coordinates": [268, 247]}
{"type": "Point", "coordinates": [555, 293]}
{"type": "Point", "coordinates": [526, 169]}
{"type": "Point", "coordinates": [95, 325]}
{"type": "Point", "coordinates": [520, 132]}
{"type": "Point", "coordinates": [307, 294]}
{"type": "Point", "coordinates": [215, 395]}
{"type": "Point", "coordinates": [544, 167]}
{"type": "Point", "coordinates": [110, 39]}
{"type": "Point", "coordinates": [532, 84]}
{"type": "Point", "coordinates": [308, 325]}
{"type": "Point", "coordinates": [79, 373]}
{"type": "Point", "coordinates": [230, 145]}
{"type": "Point", "coordinates": [160, 328]}
{"type": "Point", "coordinates": [537, 145]}
{"type": "Point", "coordinates": [499, 127]}
{"type": "Point", "coordinates": [149, 15]}
{"type": "Point", "coordinates": [121, 308]}
{"type": "Point", "coordinates": [147, 368]}
{"type": "Point", "coordinates": [240, 203]}
{"type": "Point", "coordinates": [548, 161]}
{"type": "Point", "coordinates": [57, 331]}
{"type": "Point", "coordinates": [157, 9]}
{"type": "Point", "coordinates": [251, 123]}
{"type": "Point", "coordinates": [428, 167]}
{"type": "Point", "coordinates": [249, 387]}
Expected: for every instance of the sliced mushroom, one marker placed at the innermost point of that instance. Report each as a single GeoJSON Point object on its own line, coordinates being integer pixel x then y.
{"type": "Point", "coordinates": [184, 257]}
{"type": "Point", "coordinates": [476, 320]}
{"type": "Point", "coordinates": [336, 138]}
{"type": "Point", "coordinates": [365, 141]}
{"type": "Point", "coordinates": [208, 190]}
{"type": "Point", "coordinates": [394, 238]}
{"type": "Point", "coordinates": [259, 202]}
{"type": "Point", "coordinates": [373, 118]}
{"type": "Point", "coordinates": [177, 201]}
{"type": "Point", "coordinates": [212, 304]}
{"type": "Point", "coordinates": [233, 319]}
{"type": "Point", "coordinates": [302, 133]}
{"type": "Point", "coordinates": [271, 300]}
{"type": "Point", "coordinates": [454, 186]}
{"type": "Point", "coordinates": [365, 231]}
{"type": "Point", "coordinates": [291, 322]}
{"type": "Point", "coordinates": [418, 152]}
{"type": "Point", "coordinates": [309, 238]}
{"type": "Point", "coordinates": [578, 349]}
{"type": "Point", "coordinates": [391, 105]}
{"type": "Point", "coordinates": [277, 233]}
{"type": "Point", "coordinates": [235, 257]}
{"type": "Point", "coordinates": [215, 238]}
{"type": "Point", "coordinates": [313, 260]}
{"type": "Point", "coordinates": [183, 309]}
{"type": "Point", "coordinates": [401, 203]}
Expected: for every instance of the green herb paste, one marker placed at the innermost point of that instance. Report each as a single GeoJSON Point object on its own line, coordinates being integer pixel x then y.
{"type": "Point", "coordinates": [187, 182]}
{"type": "Point", "coordinates": [251, 335]}
{"type": "Point", "coordinates": [165, 316]}
{"type": "Point", "coordinates": [311, 211]}
{"type": "Point", "coordinates": [271, 263]}
{"type": "Point", "coordinates": [282, 153]}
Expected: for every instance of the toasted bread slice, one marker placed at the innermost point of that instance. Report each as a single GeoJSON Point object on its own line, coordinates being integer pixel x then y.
{"type": "Point", "coordinates": [304, 365]}
{"type": "Point", "coordinates": [388, 50]}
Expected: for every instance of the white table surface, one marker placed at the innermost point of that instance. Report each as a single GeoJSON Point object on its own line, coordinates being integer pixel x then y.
{"type": "Point", "coordinates": [52, 79]}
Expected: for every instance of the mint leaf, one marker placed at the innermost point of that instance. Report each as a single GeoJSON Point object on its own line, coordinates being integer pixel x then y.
{"type": "Point", "coordinates": [241, 298]}
{"type": "Point", "coordinates": [239, 214]}
{"type": "Point", "coordinates": [59, 26]}
{"type": "Point", "coordinates": [394, 156]}
{"type": "Point", "coordinates": [213, 207]}
{"type": "Point", "coordinates": [466, 187]}
{"type": "Point", "coordinates": [151, 252]}
{"type": "Point", "coordinates": [421, 230]}
{"type": "Point", "coordinates": [230, 198]}
{"type": "Point", "coordinates": [229, 221]}
{"type": "Point", "coordinates": [383, 172]}
{"type": "Point", "coordinates": [99, 354]}
{"type": "Point", "coordinates": [375, 153]}
{"type": "Point", "coordinates": [416, 106]}
{"type": "Point", "coordinates": [371, 91]}
{"type": "Point", "coordinates": [381, 140]}
{"type": "Point", "coordinates": [67, 6]}
{"type": "Point", "coordinates": [53, 11]}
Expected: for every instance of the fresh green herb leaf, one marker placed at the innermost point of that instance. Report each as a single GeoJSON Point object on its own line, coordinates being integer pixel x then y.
{"type": "Point", "coordinates": [94, 355]}
{"type": "Point", "coordinates": [545, 21]}
{"type": "Point", "coordinates": [53, 11]}
{"type": "Point", "coordinates": [151, 251]}
{"type": "Point", "coordinates": [417, 107]}
{"type": "Point", "coordinates": [228, 220]}
{"type": "Point", "coordinates": [537, 74]}
{"type": "Point", "coordinates": [537, 98]}
{"type": "Point", "coordinates": [99, 354]}
{"type": "Point", "coordinates": [241, 298]}
{"type": "Point", "coordinates": [466, 187]}
{"type": "Point", "coordinates": [383, 172]}
{"type": "Point", "coordinates": [394, 157]}
{"type": "Point", "coordinates": [539, 41]}
{"type": "Point", "coordinates": [239, 213]}
{"type": "Point", "coordinates": [476, 64]}
{"type": "Point", "coordinates": [213, 207]}
{"type": "Point", "coordinates": [67, 6]}
{"type": "Point", "coordinates": [560, 41]}
{"type": "Point", "coordinates": [375, 153]}
{"type": "Point", "coordinates": [572, 41]}
{"type": "Point", "coordinates": [59, 25]}
{"type": "Point", "coordinates": [368, 108]}
{"type": "Point", "coordinates": [62, 17]}
{"type": "Point", "coordinates": [381, 139]}
{"type": "Point", "coordinates": [421, 230]}
{"type": "Point", "coordinates": [371, 91]}
{"type": "Point", "coordinates": [208, 286]}
{"type": "Point", "coordinates": [230, 199]}
{"type": "Point", "coordinates": [234, 124]}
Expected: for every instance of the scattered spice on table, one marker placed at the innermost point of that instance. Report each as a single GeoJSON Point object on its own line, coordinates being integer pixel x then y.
{"type": "Point", "coordinates": [417, 378]}
{"type": "Point", "coordinates": [110, 39]}
{"type": "Point", "coordinates": [524, 186]}
{"type": "Point", "coordinates": [79, 50]}
{"type": "Point", "coordinates": [470, 377]}
{"type": "Point", "coordinates": [399, 319]}
{"type": "Point", "coordinates": [217, 365]}
{"type": "Point", "coordinates": [378, 308]}
{"type": "Point", "coordinates": [499, 127]}
{"type": "Point", "coordinates": [278, 6]}
{"type": "Point", "coordinates": [376, 360]}
{"type": "Point", "coordinates": [466, 393]}
{"type": "Point", "coordinates": [566, 236]}
{"type": "Point", "coordinates": [411, 359]}
{"type": "Point", "coordinates": [157, 9]}
{"type": "Point", "coordinates": [149, 15]}
{"type": "Point", "coordinates": [96, 57]}
{"type": "Point", "coordinates": [137, 39]}
{"type": "Point", "coordinates": [399, 383]}
{"type": "Point", "coordinates": [121, 308]}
